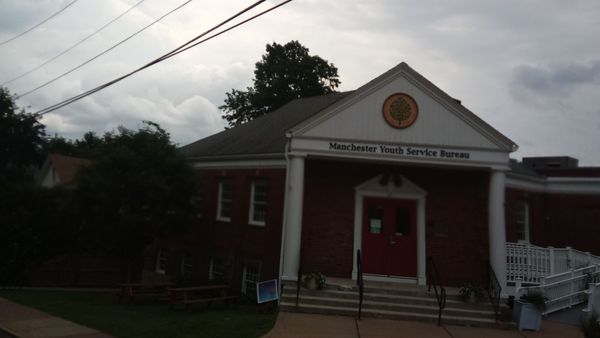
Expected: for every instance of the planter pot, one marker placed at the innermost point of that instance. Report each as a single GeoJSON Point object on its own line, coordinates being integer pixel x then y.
{"type": "Point", "coordinates": [527, 316]}
{"type": "Point", "coordinates": [472, 300]}
{"type": "Point", "coordinates": [311, 284]}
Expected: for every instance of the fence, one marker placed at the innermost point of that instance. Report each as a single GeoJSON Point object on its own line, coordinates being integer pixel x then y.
{"type": "Point", "coordinates": [530, 263]}
{"type": "Point", "coordinates": [563, 290]}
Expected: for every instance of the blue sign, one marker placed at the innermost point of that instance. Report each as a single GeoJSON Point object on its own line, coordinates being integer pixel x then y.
{"type": "Point", "coordinates": [267, 291]}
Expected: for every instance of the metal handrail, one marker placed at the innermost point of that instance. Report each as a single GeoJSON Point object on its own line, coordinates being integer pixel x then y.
{"type": "Point", "coordinates": [359, 282]}
{"type": "Point", "coordinates": [433, 279]}
{"type": "Point", "coordinates": [494, 290]}
{"type": "Point", "coordinates": [298, 280]}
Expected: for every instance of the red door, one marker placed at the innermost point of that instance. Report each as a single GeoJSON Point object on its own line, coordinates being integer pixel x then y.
{"type": "Point", "coordinates": [389, 237]}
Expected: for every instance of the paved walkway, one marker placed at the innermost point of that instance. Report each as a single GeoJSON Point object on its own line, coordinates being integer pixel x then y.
{"type": "Point", "coordinates": [24, 322]}
{"type": "Point", "coordinates": [296, 325]}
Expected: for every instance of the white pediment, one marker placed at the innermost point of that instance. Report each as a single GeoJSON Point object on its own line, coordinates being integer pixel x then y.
{"type": "Point", "coordinates": [441, 122]}
{"type": "Point", "coordinates": [392, 186]}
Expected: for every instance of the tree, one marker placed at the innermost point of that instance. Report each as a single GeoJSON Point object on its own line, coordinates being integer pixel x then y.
{"type": "Point", "coordinates": [284, 73]}
{"type": "Point", "coordinates": [86, 147]}
{"type": "Point", "coordinates": [21, 141]}
{"type": "Point", "coordinates": [138, 189]}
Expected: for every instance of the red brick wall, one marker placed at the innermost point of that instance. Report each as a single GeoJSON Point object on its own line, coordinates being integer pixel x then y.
{"type": "Point", "coordinates": [456, 217]}
{"type": "Point", "coordinates": [237, 241]}
{"type": "Point", "coordinates": [557, 220]}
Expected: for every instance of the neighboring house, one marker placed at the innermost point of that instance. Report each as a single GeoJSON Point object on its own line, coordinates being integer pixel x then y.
{"type": "Point", "coordinates": [397, 169]}
{"type": "Point", "coordinates": [60, 170]}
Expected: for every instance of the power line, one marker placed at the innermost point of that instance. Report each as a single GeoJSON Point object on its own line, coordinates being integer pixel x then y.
{"type": "Point", "coordinates": [39, 24]}
{"type": "Point", "coordinates": [102, 53]}
{"type": "Point", "coordinates": [73, 46]}
{"type": "Point", "coordinates": [172, 53]}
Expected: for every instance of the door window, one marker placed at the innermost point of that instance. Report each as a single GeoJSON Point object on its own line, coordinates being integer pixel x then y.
{"type": "Point", "coordinates": [403, 221]}
{"type": "Point", "coordinates": [375, 219]}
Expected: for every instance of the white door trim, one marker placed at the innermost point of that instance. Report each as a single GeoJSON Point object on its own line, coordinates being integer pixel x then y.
{"type": "Point", "coordinates": [407, 190]}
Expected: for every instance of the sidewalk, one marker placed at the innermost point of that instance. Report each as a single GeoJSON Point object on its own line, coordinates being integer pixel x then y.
{"type": "Point", "coordinates": [296, 325]}
{"type": "Point", "coordinates": [24, 322]}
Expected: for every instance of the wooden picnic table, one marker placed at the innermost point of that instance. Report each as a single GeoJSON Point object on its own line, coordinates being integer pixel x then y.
{"type": "Point", "coordinates": [131, 290]}
{"type": "Point", "coordinates": [199, 294]}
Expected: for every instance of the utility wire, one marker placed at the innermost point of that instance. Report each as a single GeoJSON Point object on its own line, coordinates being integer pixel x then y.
{"type": "Point", "coordinates": [39, 24]}
{"type": "Point", "coordinates": [102, 53]}
{"type": "Point", "coordinates": [174, 52]}
{"type": "Point", "coordinates": [75, 45]}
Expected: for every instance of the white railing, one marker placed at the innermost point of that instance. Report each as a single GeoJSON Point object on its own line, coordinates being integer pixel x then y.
{"type": "Point", "coordinates": [593, 299]}
{"type": "Point", "coordinates": [563, 290]}
{"type": "Point", "coordinates": [529, 263]}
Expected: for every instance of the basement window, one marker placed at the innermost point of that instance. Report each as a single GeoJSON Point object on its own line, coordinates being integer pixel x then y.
{"type": "Point", "coordinates": [250, 276]}
{"type": "Point", "coordinates": [216, 270]}
{"type": "Point", "coordinates": [161, 261]}
{"type": "Point", "coordinates": [186, 264]}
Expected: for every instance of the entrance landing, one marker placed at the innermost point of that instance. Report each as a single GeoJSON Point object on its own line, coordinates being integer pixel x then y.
{"type": "Point", "coordinates": [350, 284]}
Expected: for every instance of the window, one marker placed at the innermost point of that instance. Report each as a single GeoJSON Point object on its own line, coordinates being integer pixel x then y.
{"type": "Point", "coordinates": [216, 270]}
{"type": "Point", "coordinates": [375, 219]}
{"type": "Point", "coordinates": [161, 261]}
{"type": "Point", "coordinates": [250, 276]}
{"type": "Point", "coordinates": [523, 222]}
{"type": "Point", "coordinates": [225, 201]}
{"type": "Point", "coordinates": [186, 264]}
{"type": "Point", "coordinates": [403, 221]}
{"type": "Point", "coordinates": [258, 203]}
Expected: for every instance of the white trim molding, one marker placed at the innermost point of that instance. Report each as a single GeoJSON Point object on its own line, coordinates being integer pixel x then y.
{"type": "Point", "coordinates": [401, 153]}
{"type": "Point", "coordinates": [409, 191]}
{"type": "Point", "coordinates": [555, 185]}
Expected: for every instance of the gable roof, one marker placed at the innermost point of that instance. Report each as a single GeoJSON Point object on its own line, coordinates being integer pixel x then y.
{"type": "Point", "coordinates": [264, 135]}
{"type": "Point", "coordinates": [64, 166]}
{"type": "Point", "coordinates": [453, 105]}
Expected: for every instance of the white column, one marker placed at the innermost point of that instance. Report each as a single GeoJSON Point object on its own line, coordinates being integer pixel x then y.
{"type": "Point", "coordinates": [293, 218]}
{"type": "Point", "coordinates": [421, 252]}
{"type": "Point", "coordinates": [496, 226]}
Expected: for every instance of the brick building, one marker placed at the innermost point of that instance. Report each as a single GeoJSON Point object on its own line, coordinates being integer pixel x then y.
{"type": "Point", "coordinates": [397, 169]}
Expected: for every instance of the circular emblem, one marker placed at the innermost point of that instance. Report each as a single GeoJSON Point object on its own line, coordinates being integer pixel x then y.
{"type": "Point", "coordinates": [400, 110]}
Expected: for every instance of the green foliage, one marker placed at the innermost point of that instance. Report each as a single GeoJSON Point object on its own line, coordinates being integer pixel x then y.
{"type": "Point", "coordinates": [318, 277]}
{"type": "Point", "coordinates": [21, 141]}
{"type": "Point", "coordinates": [471, 290]}
{"type": "Point", "coordinates": [89, 146]}
{"type": "Point", "coordinates": [137, 189]}
{"type": "Point", "coordinates": [35, 224]}
{"type": "Point", "coordinates": [143, 319]}
{"type": "Point", "coordinates": [284, 73]}
{"type": "Point", "coordinates": [536, 298]}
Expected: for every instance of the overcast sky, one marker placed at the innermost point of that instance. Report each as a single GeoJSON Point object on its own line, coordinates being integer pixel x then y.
{"type": "Point", "coordinates": [529, 68]}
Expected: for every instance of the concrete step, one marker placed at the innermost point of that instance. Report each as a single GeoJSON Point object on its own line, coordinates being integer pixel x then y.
{"type": "Point", "coordinates": [374, 295]}
{"type": "Point", "coordinates": [393, 315]}
{"type": "Point", "coordinates": [410, 304]}
{"type": "Point", "coordinates": [391, 306]}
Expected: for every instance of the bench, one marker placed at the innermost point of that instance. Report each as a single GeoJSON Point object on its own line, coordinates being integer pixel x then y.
{"type": "Point", "coordinates": [199, 294]}
{"type": "Point", "coordinates": [132, 290]}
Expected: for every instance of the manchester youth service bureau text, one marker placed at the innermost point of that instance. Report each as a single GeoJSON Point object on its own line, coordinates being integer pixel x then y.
{"type": "Point", "coordinates": [397, 150]}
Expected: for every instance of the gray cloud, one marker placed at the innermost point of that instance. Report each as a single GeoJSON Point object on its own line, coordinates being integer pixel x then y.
{"type": "Point", "coordinates": [556, 79]}
{"type": "Point", "coordinates": [529, 68]}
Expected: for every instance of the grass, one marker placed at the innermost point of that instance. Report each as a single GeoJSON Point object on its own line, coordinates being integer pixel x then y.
{"type": "Point", "coordinates": [101, 311]}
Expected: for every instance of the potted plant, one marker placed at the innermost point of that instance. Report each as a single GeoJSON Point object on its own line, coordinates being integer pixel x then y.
{"type": "Point", "coordinates": [528, 310]}
{"type": "Point", "coordinates": [314, 280]}
{"type": "Point", "coordinates": [471, 293]}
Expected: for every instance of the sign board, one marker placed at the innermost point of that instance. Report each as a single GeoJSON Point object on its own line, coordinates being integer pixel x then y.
{"type": "Point", "coordinates": [267, 291]}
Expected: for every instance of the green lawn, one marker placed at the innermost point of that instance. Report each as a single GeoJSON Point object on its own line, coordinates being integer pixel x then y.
{"type": "Point", "coordinates": [147, 318]}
